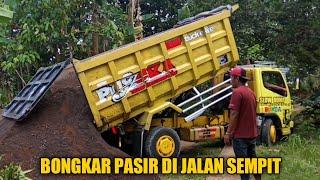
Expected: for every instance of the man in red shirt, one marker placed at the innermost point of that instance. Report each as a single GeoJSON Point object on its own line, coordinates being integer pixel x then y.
{"type": "Point", "coordinates": [242, 126]}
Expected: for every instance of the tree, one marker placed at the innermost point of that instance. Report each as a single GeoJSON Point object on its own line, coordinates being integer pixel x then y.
{"type": "Point", "coordinates": [5, 13]}
{"type": "Point", "coordinates": [42, 32]}
{"type": "Point", "coordinates": [165, 15]}
{"type": "Point", "coordinates": [286, 32]}
{"type": "Point", "coordinates": [45, 32]}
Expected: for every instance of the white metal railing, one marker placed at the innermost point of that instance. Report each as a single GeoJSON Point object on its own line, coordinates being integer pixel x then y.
{"type": "Point", "coordinates": [198, 112]}
{"type": "Point", "coordinates": [206, 99]}
{"type": "Point", "coordinates": [204, 92]}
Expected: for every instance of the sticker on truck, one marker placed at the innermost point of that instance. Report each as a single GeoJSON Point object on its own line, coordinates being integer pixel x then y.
{"type": "Point", "coordinates": [199, 33]}
{"type": "Point", "coordinates": [274, 101]}
{"type": "Point", "coordinates": [138, 82]}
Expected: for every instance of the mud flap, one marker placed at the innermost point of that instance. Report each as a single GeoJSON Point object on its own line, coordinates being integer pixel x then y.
{"type": "Point", "coordinates": [139, 138]}
{"type": "Point", "coordinates": [32, 93]}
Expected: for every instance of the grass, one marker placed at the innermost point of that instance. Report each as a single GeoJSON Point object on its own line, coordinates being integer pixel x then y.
{"type": "Point", "coordinates": [300, 155]}
{"type": "Point", "coordinates": [13, 172]}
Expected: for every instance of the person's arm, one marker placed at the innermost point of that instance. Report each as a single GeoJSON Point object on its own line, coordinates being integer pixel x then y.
{"type": "Point", "coordinates": [233, 121]}
{"type": "Point", "coordinates": [234, 107]}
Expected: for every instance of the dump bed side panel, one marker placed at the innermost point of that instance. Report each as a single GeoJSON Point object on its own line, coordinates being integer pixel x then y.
{"type": "Point", "coordinates": [122, 83]}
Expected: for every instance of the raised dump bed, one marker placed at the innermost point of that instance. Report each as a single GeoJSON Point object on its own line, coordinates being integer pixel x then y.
{"type": "Point", "coordinates": [139, 79]}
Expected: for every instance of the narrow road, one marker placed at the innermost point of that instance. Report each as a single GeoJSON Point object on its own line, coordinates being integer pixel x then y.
{"type": "Point", "coordinates": [187, 146]}
{"type": "Point", "coordinates": [226, 152]}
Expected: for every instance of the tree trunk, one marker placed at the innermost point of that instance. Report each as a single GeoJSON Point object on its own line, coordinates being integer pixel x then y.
{"type": "Point", "coordinates": [105, 45]}
{"type": "Point", "coordinates": [95, 43]}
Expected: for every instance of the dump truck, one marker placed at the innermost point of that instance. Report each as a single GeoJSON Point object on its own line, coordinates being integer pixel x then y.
{"type": "Point", "coordinates": [148, 95]}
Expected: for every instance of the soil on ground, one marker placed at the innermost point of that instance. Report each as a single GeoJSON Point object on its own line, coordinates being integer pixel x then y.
{"type": "Point", "coordinates": [61, 125]}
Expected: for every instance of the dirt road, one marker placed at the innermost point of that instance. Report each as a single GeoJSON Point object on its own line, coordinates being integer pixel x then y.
{"type": "Point", "coordinates": [226, 152]}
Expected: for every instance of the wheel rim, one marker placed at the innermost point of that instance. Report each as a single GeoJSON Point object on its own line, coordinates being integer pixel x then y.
{"type": "Point", "coordinates": [165, 146]}
{"type": "Point", "coordinates": [273, 134]}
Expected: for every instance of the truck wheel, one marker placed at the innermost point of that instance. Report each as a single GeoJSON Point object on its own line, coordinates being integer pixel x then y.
{"type": "Point", "coordinates": [268, 133]}
{"type": "Point", "coordinates": [162, 142]}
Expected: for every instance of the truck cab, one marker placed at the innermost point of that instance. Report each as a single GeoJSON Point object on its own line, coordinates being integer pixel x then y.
{"type": "Point", "coordinates": [274, 106]}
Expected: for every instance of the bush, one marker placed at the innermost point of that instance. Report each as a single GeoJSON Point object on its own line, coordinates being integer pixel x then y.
{"type": "Point", "coordinates": [13, 172]}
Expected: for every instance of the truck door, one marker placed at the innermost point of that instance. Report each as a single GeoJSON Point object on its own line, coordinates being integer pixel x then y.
{"type": "Point", "coordinates": [275, 97]}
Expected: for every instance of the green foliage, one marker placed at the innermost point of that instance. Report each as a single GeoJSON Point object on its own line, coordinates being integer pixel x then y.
{"type": "Point", "coordinates": [51, 28]}
{"type": "Point", "coordinates": [299, 154]}
{"type": "Point", "coordinates": [13, 172]}
{"type": "Point", "coordinates": [184, 12]}
{"type": "Point", "coordinates": [5, 12]}
{"type": "Point", "coordinates": [11, 3]}
{"type": "Point", "coordinates": [4, 97]}
{"type": "Point", "coordinates": [281, 31]}
{"type": "Point", "coordinates": [309, 97]}
{"type": "Point", "coordinates": [254, 52]}
{"type": "Point", "coordinates": [45, 32]}
{"type": "Point", "coordinates": [312, 112]}
{"type": "Point", "coordinates": [165, 15]}
{"type": "Point", "coordinates": [311, 84]}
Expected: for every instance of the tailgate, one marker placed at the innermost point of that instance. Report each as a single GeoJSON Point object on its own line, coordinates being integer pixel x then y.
{"type": "Point", "coordinates": [31, 94]}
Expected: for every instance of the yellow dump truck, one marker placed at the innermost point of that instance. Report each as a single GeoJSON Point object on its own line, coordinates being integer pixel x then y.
{"type": "Point", "coordinates": [148, 95]}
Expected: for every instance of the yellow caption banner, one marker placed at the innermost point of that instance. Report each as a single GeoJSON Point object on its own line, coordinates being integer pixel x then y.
{"type": "Point", "coordinates": [160, 166]}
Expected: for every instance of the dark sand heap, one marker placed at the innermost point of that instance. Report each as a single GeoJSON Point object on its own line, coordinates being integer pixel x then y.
{"type": "Point", "coordinates": [61, 125]}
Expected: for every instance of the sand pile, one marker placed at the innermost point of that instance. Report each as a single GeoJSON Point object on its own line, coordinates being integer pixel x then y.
{"type": "Point", "coordinates": [60, 126]}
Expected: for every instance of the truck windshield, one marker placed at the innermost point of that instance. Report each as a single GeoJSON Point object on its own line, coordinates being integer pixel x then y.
{"type": "Point", "coordinates": [274, 82]}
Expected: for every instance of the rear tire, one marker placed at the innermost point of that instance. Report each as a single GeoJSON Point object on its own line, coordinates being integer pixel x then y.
{"type": "Point", "coordinates": [162, 142]}
{"type": "Point", "coordinates": [268, 133]}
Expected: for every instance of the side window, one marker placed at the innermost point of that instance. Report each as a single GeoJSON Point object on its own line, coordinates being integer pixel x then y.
{"type": "Point", "coordinates": [274, 82]}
